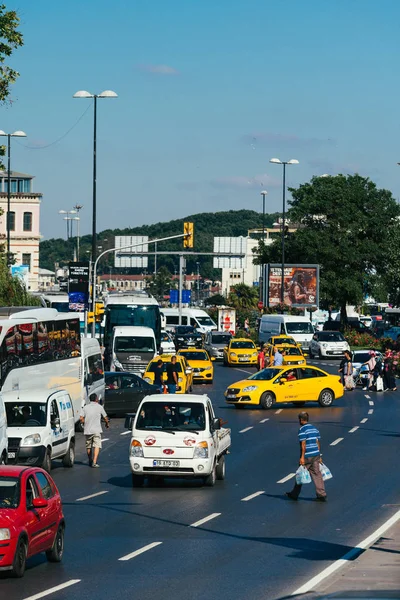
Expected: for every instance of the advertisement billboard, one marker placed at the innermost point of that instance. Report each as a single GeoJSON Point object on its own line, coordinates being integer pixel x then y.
{"type": "Point", "coordinates": [78, 286]}
{"type": "Point", "coordinates": [301, 285]}
{"type": "Point", "coordinates": [130, 257]}
{"type": "Point", "coordinates": [227, 320]}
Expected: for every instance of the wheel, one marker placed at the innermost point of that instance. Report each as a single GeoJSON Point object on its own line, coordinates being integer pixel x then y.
{"type": "Point", "coordinates": [210, 480]}
{"type": "Point", "coordinates": [137, 480]}
{"type": "Point", "coordinates": [69, 459]}
{"type": "Point", "coordinates": [19, 562]}
{"type": "Point", "coordinates": [220, 469]}
{"type": "Point", "coordinates": [267, 400]}
{"type": "Point", "coordinates": [57, 550]}
{"type": "Point", "coordinates": [46, 464]}
{"type": "Point", "coordinates": [326, 398]}
{"type": "Point", "coordinates": [298, 403]}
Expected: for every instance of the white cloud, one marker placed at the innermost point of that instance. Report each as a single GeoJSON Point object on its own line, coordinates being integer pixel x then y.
{"type": "Point", "coordinates": [158, 69]}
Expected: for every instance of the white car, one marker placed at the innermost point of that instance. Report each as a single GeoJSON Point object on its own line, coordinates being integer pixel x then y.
{"type": "Point", "coordinates": [167, 343]}
{"type": "Point", "coordinates": [328, 343]}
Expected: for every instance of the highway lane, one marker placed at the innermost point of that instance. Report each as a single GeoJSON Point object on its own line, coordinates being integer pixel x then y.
{"type": "Point", "coordinates": [266, 546]}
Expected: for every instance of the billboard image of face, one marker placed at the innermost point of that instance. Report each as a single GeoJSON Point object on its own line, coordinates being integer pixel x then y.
{"type": "Point", "coordinates": [300, 285]}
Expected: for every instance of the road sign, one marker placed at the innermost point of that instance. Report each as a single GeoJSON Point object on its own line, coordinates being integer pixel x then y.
{"type": "Point", "coordinates": [173, 296]}
{"type": "Point", "coordinates": [186, 296]}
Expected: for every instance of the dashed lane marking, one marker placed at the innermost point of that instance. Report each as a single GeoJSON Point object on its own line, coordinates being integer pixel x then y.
{"type": "Point", "coordinates": [354, 429]}
{"type": "Point", "coordinates": [368, 397]}
{"type": "Point", "coordinates": [364, 420]}
{"type": "Point", "coordinates": [264, 420]}
{"type": "Point", "coordinates": [290, 476]}
{"type": "Point", "coordinates": [57, 588]}
{"type": "Point", "coordinates": [91, 496]}
{"type": "Point", "coordinates": [371, 411]}
{"type": "Point", "coordinates": [337, 442]}
{"type": "Point", "coordinates": [278, 411]}
{"type": "Point", "coordinates": [253, 496]}
{"type": "Point", "coordinates": [198, 523]}
{"type": "Point", "coordinates": [140, 551]}
{"type": "Point", "coordinates": [126, 432]}
{"type": "Point", "coordinates": [243, 371]}
{"type": "Point", "coordinates": [105, 439]}
{"type": "Point", "coordinates": [246, 429]}
{"type": "Point", "coordinates": [371, 403]}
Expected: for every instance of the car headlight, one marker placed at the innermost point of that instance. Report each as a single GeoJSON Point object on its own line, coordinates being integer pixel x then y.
{"type": "Point", "coordinates": [250, 388]}
{"type": "Point", "coordinates": [180, 379]}
{"type": "Point", "coordinates": [201, 450]}
{"type": "Point", "coordinates": [117, 363]}
{"type": "Point", "coordinates": [5, 534]}
{"type": "Point", "coordinates": [324, 345]}
{"type": "Point", "coordinates": [147, 379]}
{"type": "Point", "coordinates": [31, 440]}
{"type": "Point", "coordinates": [180, 339]}
{"type": "Point", "coordinates": [136, 449]}
{"type": "Point", "coordinates": [207, 368]}
{"type": "Point", "coordinates": [234, 354]}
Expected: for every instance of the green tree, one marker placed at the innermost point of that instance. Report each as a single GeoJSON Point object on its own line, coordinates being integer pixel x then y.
{"type": "Point", "coordinates": [216, 300]}
{"type": "Point", "coordinates": [346, 224]}
{"type": "Point", "coordinates": [160, 283]}
{"type": "Point", "coordinates": [12, 289]}
{"type": "Point", "coordinates": [243, 296]}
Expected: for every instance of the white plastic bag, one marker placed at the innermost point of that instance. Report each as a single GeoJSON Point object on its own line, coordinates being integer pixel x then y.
{"type": "Point", "coordinates": [379, 384]}
{"type": "Point", "coordinates": [302, 476]}
{"type": "Point", "coordinates": [325, 472]}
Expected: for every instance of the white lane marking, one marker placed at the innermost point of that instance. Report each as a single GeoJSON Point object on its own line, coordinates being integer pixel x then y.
{"type": "Point", "coordinates": [243, 371]}
{"type": "Point", "coordinates": [246, 429]}
{"type": "Point", "coordinates": [336, 442]}
{"type": "Point", "coordinates": [368, 397]}
{"type": "Point", "coordinates": [105, 439]}
{"type": "Point", "coordinates": [140, 551]}
{"type": "Point", "coordinates": [371, 403]}
{"type": "Point", "coordinates": [264, 420]}
{"type": "Point", "coordinates": [91, 496]}
{"type": "Point", "coordinates": [253, 496]}
{"type": "Point", "coordinates": [371, 411]}
{"type": "Point", "coordinates": [278, 411]}
{"type": "Point", "coordinates": [126, 432]}
{"type": "Point", "coordinates": [198, 523]}
{"type": "Point", "coordinates": [57, 588]}
{"type": "Point", "coordinates": [286, 478]}
{"type": "Point", "coordinates": [371, 539]}
{"type": "Point", "coordinates": [354, 429]}
{"type": "Point", "coordinates": [364, 420]}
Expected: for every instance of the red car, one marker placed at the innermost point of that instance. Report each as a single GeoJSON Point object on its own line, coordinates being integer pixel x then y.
{"type": "Point", "coordinates": [31, 517]}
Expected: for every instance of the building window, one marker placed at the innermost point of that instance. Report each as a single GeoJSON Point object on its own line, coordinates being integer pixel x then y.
{"type": "Point", "coordinates": [11, 221]}
{"type": "Point", "coordinates": [27, 221]}
{"type": "Point", "coordinates": [26, 260]}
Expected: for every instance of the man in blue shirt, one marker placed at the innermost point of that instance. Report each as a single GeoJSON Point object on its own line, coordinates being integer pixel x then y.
{"type": "Point", "coordinates": [310, 457]}
{"type": "Point", "coordinates": [278, 358]}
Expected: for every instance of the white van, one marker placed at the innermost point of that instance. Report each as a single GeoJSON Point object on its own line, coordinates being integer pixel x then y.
{"type": "Point", "coordinates": [41, 427]}
{"type": "Point", "coordinates": [3, 433]}
{"type": "Point", "coordinates": [93, 380]}
{"type": "Point", "coordinates": [299, 328]}
{"type": "Point", "coordinates": [190, 316]}
{"type": "Point", "coordinates": [132, 348]}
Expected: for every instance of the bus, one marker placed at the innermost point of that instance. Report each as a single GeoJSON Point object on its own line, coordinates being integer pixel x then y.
{"type": "Point", "coordinates": [41, 348]}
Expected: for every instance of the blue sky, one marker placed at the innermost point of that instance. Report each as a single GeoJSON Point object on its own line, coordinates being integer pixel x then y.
{"type": "Point", "coordinates": [208, 92]}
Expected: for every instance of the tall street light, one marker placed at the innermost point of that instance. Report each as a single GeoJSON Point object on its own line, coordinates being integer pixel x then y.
{"type": "Point", "coordinates": [276, 161]}
{"type": "Point", "coordinates": [8, 223]}
{"type": "Point", "coordinates": [263, 194]}
{"type": "Point", "coordinates": [84, 94]}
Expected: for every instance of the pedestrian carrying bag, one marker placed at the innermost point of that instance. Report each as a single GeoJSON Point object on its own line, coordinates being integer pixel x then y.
{"type": "Point", "coordinates": [325, 472]}
{"type": "Point", "coordinates": [379, 384]}
{"type": "Point", "coordinates": [349, 382]}
{"type": "Point", "coordinates": [302, 476]}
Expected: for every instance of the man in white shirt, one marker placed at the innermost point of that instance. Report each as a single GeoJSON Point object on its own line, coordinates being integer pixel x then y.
{"type": "Point", "coordinates": [91, 418]}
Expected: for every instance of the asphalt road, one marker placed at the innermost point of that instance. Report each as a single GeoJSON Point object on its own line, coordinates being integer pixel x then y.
{"type": "Point", "coordinates": [264, 547]}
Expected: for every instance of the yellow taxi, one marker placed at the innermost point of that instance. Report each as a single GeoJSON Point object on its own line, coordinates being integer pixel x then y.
{"type": "Point", "coordinates": [185, 373]}
{"type": "Point", "coordinates": [200, 362]}
{"type": "Point", "coordinates": [293, 355]}
{"type": "Point", "coordinates": [240, 351]}
{"type": "Point", "coordinates": [275, 385]}
{"type": "Point", "coordinates": [282, 339]}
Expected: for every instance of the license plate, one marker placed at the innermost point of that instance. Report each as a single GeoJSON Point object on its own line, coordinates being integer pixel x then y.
{"type": "Point", "coordinates": [11, 454]}
{"type": "Point", "coordinates": [191, 343]}
{"type": "Point", "coordinates": [231, 396]}
{"type": "Point", "coordinates": [166, 463]}
{"type": "Point", "coordinates": [244, 359]}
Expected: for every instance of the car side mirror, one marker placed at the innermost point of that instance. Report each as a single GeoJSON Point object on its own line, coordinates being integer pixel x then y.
{"type": "Point", "coordinates": [129, 420]}
{"type": "Point", "coordinates": [216, 424]}
{"type": "Point", "coordinates": [39, 503]}
{"type": "Point", "coordinates": [282, 380]}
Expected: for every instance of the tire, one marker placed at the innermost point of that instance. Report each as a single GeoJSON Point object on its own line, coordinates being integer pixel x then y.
{"type": "Point", "coordinates": [326, 398]}
{"type": "Point", "coordinates": [220, 468]}
{"type": "Point", "coordinates": [46, 464]}
{"type": "Point", "coordinates": [298, 403]}
{"type": "Point", "coordinates": [56, 552]}
{"type": "Point", "coordinates": [69, 459]}
{"type": "Point", "coordinates": [137, 480]}
{"type": "Point", "coordinates": [267, 400]}
{"type": "Point", "coordinates": [210, 480]}
{"type": "Point", "coordinates": [19, 562]}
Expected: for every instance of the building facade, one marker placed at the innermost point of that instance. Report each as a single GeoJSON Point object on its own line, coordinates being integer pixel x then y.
{"type": "Point", "coordinates": [24, 222]}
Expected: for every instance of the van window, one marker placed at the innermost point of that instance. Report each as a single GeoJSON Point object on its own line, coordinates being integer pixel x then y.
{"type": "Point", "coordinates": [173, 319]}
{"type": "Point", "coordinates": [54, 414]}
{"type": "Point", "coordinates": [95, 365]}
{"type": "Point", "coordinates": [193, 322]}
{"type": "Point", "coordinates": [271, 327]}
{"type": "Point", "coordinates": [302, 327]}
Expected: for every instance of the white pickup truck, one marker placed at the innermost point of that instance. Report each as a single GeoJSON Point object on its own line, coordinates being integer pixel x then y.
{"type": "Point", "coordinates": [177, 436]}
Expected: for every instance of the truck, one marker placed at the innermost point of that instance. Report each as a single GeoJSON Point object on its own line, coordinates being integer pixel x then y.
{"type": "Point", "coordinates": [177, 437]}
{"type": "Point", "coordinates": [132, 349]}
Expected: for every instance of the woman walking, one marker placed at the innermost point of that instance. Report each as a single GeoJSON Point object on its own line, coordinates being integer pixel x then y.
{"type": "Point", "coordinates": [348, 372]}
{"type": "Point", "coordinates": [389, 372]}
{"type": "Point", "coordinates": [371, 364]}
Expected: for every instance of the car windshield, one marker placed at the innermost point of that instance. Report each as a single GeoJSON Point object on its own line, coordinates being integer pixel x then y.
{"type": "Point", "coordinates": [194, 355]}
{"type": "Point", "coordinates": [26, 414]}
{"type": "Point", "coordinates": [283, 340]}
{"type": "Point", "coordinates": [152, 366]}
{"type": "Point", "coordinates": [9, 492]}
{"type": "Point", "coordinates": [243, 345]}
{"type": "Point", "coordinates": [165, 337]}
{"type": "Point", "coordinates": [178, 416]}
{"type": "Point", "coordinates": [361, 357]}
{"type": "Point", "coordinates": [300, 327]}
{"type": "Point", "coordinates": [221, 339]}
{"type": "Point", "coordinates": [206, 321]}
{"type": "Point", "coordinates": [330, 336]}
{"type": "Point", "coordinates": [265, 375]}
{"type": "Point", "coordinates": [184, 329]}
{"type": "Point", "coordinates": [134, 344]}
{"type": "Point", "coordinates": [293, 351]}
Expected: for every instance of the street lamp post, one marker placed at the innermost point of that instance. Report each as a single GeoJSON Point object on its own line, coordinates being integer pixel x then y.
{"type": "Point", "coordinates": [276, 161]}
{"type": "Point", "coordinates": [8, 223]}
{"type": "Point", "coordinates": [263, 194]}
{"type": "Point", "coordinates": [198, 282]}
{"type": "Point", "coordinates": [84, 94]}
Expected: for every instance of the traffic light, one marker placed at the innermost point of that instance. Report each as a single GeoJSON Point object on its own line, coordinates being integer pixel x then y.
{"type": "Point", "coordinates": [188, 230]}
{"type": "Point", "coordinates": [99, 311]}
{"type": "Point", "coordinates": [90, 317]}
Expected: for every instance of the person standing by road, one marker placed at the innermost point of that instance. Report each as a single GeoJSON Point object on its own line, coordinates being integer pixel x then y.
{"type": "Point", "coordinates": [278, 357]}
{"type": "Point", "coordinates": [172, 376]}
{"type": "Point", "coordinates": [158, 375]}
{"type": "Point", "coordinates": [389, 371]}
{"type": "Point", "coordinates": [246, 326]}
{"type": "Point", "coordinates": [371, 364]}
{"type": "Point", "coordinates": [91, 419]}
{"type": "Point", "coordinates": [348, 372]}
{"type": "Point", "coordinates": [310, 457]}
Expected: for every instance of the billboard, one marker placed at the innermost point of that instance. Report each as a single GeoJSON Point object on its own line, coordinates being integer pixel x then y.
{"type": "Point", "coordinates": [229, 245]}
{"type": "Point", "coordinates": [227, 320]}
{"type": "Point", "coordinates": [130, 257]}
{"type": "Point", "coordinates": [78, 286]}
{"type": "Point", "coordinates": [22, 272]}
{"type": "Point", "coordinates": [301, 285]}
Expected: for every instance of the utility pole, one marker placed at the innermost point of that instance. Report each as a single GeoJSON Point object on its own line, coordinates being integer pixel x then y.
{"type": "Point", "coordinates": [180, 288]}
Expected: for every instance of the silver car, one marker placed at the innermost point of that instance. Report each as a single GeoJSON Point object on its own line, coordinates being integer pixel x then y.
{"type": "Point", "coordinates": [215, 342]}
